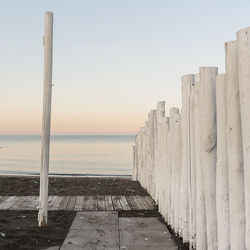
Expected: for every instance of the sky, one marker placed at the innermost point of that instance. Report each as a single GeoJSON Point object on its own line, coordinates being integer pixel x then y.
{"type": "Point", "coordinates": [113, 60]}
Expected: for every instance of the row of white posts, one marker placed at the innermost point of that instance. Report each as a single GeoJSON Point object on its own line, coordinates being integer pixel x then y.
{"type": "Point", "coordinates": [196, 163]}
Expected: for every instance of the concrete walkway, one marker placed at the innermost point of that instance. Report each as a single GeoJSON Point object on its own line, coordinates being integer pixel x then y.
{"type": "Point", "coordinates": [104, 230]}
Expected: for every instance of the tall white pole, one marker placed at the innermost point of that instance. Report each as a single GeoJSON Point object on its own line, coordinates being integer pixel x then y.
{"type": "Point", "coordinates": [235, 153]}
{"type": "Point", "coordinates": [208, 150]}
{"type": "Point", "coordinates": [243, 37]}
{"type": "Point", "coordinates": [48, 49]}
{"type": "Point", "coordinates": [222, 191]}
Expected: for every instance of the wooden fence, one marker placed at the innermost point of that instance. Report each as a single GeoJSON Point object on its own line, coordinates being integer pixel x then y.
{"type": "Point", "coordinates": [196, 163]}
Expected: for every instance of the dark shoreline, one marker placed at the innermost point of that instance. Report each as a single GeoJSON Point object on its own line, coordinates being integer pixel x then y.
{"type": "Point", "coordinates": [61, 175]}
{"type": "Point", "coordinates": [29, 185]}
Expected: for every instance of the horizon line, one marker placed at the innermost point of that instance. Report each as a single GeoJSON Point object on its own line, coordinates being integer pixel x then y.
{"type": "Point", "coordinates": [69, 134]}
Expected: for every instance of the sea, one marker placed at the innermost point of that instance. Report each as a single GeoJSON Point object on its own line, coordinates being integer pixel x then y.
{"type": "Point", "coordinates": [84, 155]}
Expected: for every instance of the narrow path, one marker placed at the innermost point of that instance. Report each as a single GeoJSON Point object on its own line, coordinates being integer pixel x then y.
{"type": "Point", "coordinates": [106, 231]}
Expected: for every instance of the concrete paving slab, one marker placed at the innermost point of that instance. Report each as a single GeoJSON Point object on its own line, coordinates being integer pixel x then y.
{"type": "Point", "coordinates": [103, 230]}
{"type": "Point", "coordinates": [144, 233]}
{"type": "Point", "coordinates": [97, 219]}
{"type": "Point", "coordinates": [97, 237]}
{"type": "Point", "coordinates": [75, 247]}
{"type": "Point", "coordinates": [141, 223]}
{"type": "Point", "coordinates": [146, 238]}
{"type": "Point", "coordinates": [53, 248]}
{"type": "Point", "coordinates": [147, 248]}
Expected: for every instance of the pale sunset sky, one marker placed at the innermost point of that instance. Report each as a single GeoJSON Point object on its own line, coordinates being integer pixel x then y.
{"type": "Point", "coordinates": [113, 59]}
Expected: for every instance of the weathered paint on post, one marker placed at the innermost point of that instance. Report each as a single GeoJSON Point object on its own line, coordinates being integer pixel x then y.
{"type": "Point", "coordinates": [187, 82]}
{"type": "Point", "coordinates": [174, 112]}
{"type": "Point", "coordinates": [222, 189]}
{"type": "Point", "coordinates": [160, 115]}
{"type": "Point", "coordinates": [234, 147]}
{"type": "Point", "coordinates": [204, 155]}
{"type": "Point", "coordinates": [176, 167]}
{"type": "Point", "coordinates": [243, 38]}
{"type": "Point", "coordinates": [201, 228]}
{"type": "Point", "coordinates": [192, 192]}
{"type": "Point", "coordinates": [134, 163]}
{"type": "Point", "coordinates": [208, 150]}
{"type": "Point", "coordinates": [48, 49]}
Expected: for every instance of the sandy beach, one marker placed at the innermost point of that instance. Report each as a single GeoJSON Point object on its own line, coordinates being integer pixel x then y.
{"type": "Point", "coordinates": [19, 230]}
{"type": "Point", "coordinates": [20, 186]}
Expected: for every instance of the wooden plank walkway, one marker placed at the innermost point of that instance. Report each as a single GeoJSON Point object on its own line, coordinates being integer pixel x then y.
{"type": "Point", "coordinates": [105, 230]}
{"type": "Point", "coordinates": [79, 203]}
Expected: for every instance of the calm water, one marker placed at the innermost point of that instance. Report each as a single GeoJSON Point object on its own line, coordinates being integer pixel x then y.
{"type": "Point", "coordinates": [69, 154]}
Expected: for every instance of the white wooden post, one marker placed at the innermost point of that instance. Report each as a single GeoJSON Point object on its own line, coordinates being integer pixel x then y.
{"type": "Point", "coordinates": [174, 112]}
{"type": "Point", "coordinates": [243, 38]}
{"type": "Point", "coordinates": [164, 175]}
{"type": "Point", "coordinates": [179, 229]}
{"type": "Point", "coordinates": [178, 163]}
{"type": "Point", "coordinates": [168, 172]}
{"type": "Point", "coordinates": [137, 155]}
{"type": "Point", "coordinates": [151, 152]}
{"type": "Point", "coordinates": [222, 192]}
{"type": "Point", "coordinates": [142, 156]}
{"type": "Point", "coordinates": [160, 115]}
{"type": "Point", "coordinates": [153, 156]}
{"type": "Point", "coordinates": [169, 181]}
{"type": "Point", "coordinates": [201, 228]}
{"type": "Point", "coordinates": [175, 166]}
{"type": "Point", "coordinates": [134, 176]}
{"type": "Point", "coordinates": [142, 161]}
{"type": "Point", "coordinates": [192, 202]}
{"type": "Point", "coordinates": [208, 150]}
{"type": "Point", "coordinates": [48, 48]}
{"type": "Point", "coordinates": [235, 154]}
{"type": "Point", "coordinates": [187, 81]}
{"type": "Point", "coordinates": [140, 153]}
{"type": "Point", "coordinates": [147, 157]}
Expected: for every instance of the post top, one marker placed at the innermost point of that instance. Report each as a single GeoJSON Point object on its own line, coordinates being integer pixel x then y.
{"type": "Point", "coordinates": [166, 119]}
{"type": "Point", "coordinates": [245, 30]}
{"type": "Point", "coordinates": [208, 70]}
{"type": "Point", "coordinates": [196, 78]}
{"type": "Point", "coordinates": [174, 110]}
{"type": "Point", "coordinates": [49, 13]}
{"type": "Point", "coordinates": [220, 76]}
{"type": "Point", "coordinates": [188, 76]}
{"type": "Point", "coordinates": [207, 67]}
{"type": "Point", "coordinates": [230, 44]}
{"type": "Point", "coordinates": [160, 103]}
{"type": "Point", "coordinates": [49, 16]}
{"type": "Point", "coordinates": [231, 41]}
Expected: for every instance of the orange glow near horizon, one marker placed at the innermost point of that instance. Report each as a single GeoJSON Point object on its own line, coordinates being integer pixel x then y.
{"type": "Point", "coordinates": [31, 124]}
